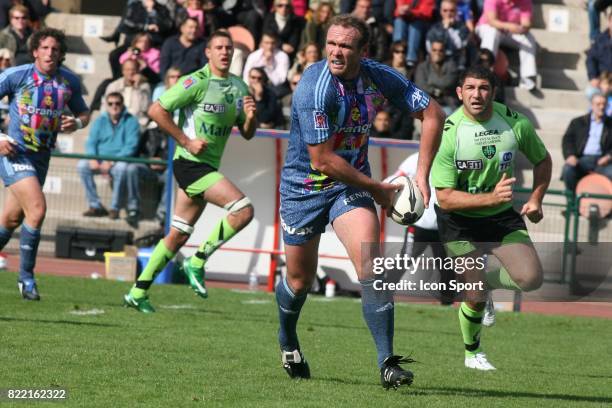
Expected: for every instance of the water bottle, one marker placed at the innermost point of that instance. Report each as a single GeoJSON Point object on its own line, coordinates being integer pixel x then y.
{"type": "Point", "coordinates": [330, 289]}
{"type": "Point", "coordinates": [253, 282]}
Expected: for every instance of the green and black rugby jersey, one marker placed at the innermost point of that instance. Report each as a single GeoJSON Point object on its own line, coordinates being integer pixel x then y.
{"type": "Point", "coordinates": [473, 155]}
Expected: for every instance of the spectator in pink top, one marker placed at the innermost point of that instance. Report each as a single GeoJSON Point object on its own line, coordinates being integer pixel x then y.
{"type": "Point", "coordinates": [508, 22]}
{"type": "Point", "coordinates": [147, 57]}
{"type": "Point", "coordinates": [193, 9]}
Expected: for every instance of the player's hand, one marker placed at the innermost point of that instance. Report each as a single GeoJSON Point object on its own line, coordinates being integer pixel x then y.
{"type": "Point", "coordinates": [423, 186]}
{"type": "Point", "coordinates": [533, 211]}
{"type": "Point", "coordinates": [249, 107]}
{"type": "Point", "coordinates": [384, 194]}
{"type": "Point", "coordinates": [571, 160]}
{"type": "Point", "coordinates": [503, 190]}
{"type": "Point", "coordinates": [8, 145]}
{"type": "Point", "coordinates": [196, 146]}
{"type": "Point", "coordinates": [105, 167]}
{"type": "Point", "coordinates": [68, 124]}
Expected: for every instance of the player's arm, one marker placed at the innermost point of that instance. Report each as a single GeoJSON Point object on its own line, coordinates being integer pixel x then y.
{"type": "Point", "coordinates": [72, 123]}
{"type": "Point", "coordinates": [165, 121]}
{"type": "Point", "coordinates": [247, 129]}
{"type": "Point", "coordinates": [78, 107]}
{"type": "Point", "coordinates": [450, 199]}
{"type": "Point", "coordinates": [542, 173]}
{"type": "Point", "coordinates": [324, 159]}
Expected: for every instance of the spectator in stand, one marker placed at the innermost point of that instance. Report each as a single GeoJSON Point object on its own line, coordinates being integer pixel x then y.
{"type": "Point", "coordinates": [134, 89]}
{"type": "Point", "coordinates": [288, 99]}
{"type": "Point", "coordinates": [145, 55]}
{"type": "Point", "coordinates": [336, 6]}
{"type": "Point", "coordinates": [172, 76]}
{"type": "Point", "coordinates": [183, 50]}
{"type": "Point", "coordinates": [286, 25]}
{"type": "Point", "coordinates": [15, 36]}
{"type": "Point", "coordinates": [146, 16]}
{"type": "Point", "coordinates": [114, 133]}
{"type": "Point", "coordinates": [587, 144]}
{"type": "Point", "coordinates": [599, 57]}
{"type": "Point", "coordinates": [605, 84]}
{"type": "Point", "coordinates": [379, 38]}
{"type": "Point", "coordinates": [382, 125]}
{"type": "Point", "coordinates": [382, 10]}
{"type": "Point", "coordinates": [508, 22]}
{"type": "Point", "coordinates": [594, 9]}
{"type": "Point", "coordinates": [216, 17]}
{"type": "Point", "coordinates": [485, 58]}
{"type": "Point", "coordinates": [412, 19]}
{"type": "Point", "coordinates": [250, 14]}
{"type": "Point", "coordinates": [194, 10]}
{"type": "Point", "coordinates": [452, 32]}
{"type": "Point", "coordinates": [305, 58]}
{"type": "Point", "coordinates": [398, 58]}
{"type": "Point", "coordinates": [466, 15]}
{"type": "Point", "coordinates": [438, 76]}
{"type": "Point", "coordinates": [7, 59]}
{"type": "Point", "coordinates": [274, 61]}
{"type": "Point", "coordinates": [402, 125]}
{"type": "Point", "coordinates": [316, 29]}
{"type": "Point", "coordinates": [269, 114]}
{"type": "Point", "coordinates": [37, 10]}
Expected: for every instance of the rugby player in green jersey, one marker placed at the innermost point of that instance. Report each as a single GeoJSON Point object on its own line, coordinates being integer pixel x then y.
{"type": "Point", "coordinates": [210, 102]}
{"type": "Point", "coordinates": [473, 177]}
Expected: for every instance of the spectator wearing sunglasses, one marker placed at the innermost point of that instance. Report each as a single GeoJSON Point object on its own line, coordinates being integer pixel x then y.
{"type": "Point", "coordinates": [286, 25]}
{"type": "Point", "coordinates": [15, 36]}
{"type": "Point", "coordinates": [269, 114]}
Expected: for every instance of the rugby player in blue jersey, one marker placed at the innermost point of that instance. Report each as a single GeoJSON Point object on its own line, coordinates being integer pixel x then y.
{"type": "Point", "coordinates": [326, 178]}
{"type": "Point", "coordinates": [39, 95]}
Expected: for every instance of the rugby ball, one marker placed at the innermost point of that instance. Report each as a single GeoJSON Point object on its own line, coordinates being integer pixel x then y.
{"type": "Point", "coordinates": [408, 205]}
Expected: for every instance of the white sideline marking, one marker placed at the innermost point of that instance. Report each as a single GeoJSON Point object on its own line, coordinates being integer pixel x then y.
{"type": "Point", "coordinates": [177, 307]}
{"type": "Point", "coordinates": [255, 302]}
{"type": "Point", "coordinates": [91, 312]}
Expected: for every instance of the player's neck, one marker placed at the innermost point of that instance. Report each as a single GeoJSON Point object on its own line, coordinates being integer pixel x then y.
{"type": "Point", "coordinates": [482, 117]}
{"type": "Point", "coordinates": [45, 72]}
{"type": "Point", "coordinates": [219, 73]}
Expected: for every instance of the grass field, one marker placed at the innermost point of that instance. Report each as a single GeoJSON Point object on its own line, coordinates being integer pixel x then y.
{"type": "Point", "coordinates": [223, 352]}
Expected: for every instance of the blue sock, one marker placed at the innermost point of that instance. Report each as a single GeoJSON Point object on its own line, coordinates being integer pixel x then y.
{"type": "Point", "coordinates": [378, 312]}
{"type": "Point", "coordinates": [289, 307]}
{"type": "Point", "coordinates": [28, 247]}
{"type": "Point", "coordinates": [5, 236]}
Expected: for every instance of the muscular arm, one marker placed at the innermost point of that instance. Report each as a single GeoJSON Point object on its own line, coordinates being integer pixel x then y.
{"type": "Point", "coordinates": [166, 123]}
{"type": "Point", "coordinates": [450, 199]}
{"type": "Point", "coordinates": [542, 173]}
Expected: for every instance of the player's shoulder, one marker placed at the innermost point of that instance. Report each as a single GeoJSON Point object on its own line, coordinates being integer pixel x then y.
{"type": "Point", "coordinates": [69, 75]}
{"type": "Point", "coordinates": [19, 70]}
{"type": "Point", "coordinates": [315, 86]}
{"type": "Point", "coordinates": [515, 119]}
{"type": "Point", "coordinates": [239, 83]}
{"type": "Point", "coordinates": [452, 121]}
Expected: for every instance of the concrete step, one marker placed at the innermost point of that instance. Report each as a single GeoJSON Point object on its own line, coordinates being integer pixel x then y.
{"type": "Point", "coordinates": [577, 4]}
{"type": "Point", "coordinates": [570, 79]}
{"type": "Point", "coordinates": [83, 24]}
{"type": "Point", "coordinates": [555, 59]}
{"type": "Point", "coordinates": [553, 120]}
{"type": "Point", "coordinates": [577, 17]}
{"type": "Point", "coordinates": [554, 99]}
{"type": "Point", "coordinates": [561, 42]}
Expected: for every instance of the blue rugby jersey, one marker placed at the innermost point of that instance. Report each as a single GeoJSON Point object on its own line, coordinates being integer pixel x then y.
{"type": "Point", "coordinates": [326, 107]}
{"type": "Point", "coordinates": [37, 102]}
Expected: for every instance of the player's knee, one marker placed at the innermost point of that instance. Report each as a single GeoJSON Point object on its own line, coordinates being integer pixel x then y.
{"type": "Point", "coordinates": [241, 211]}
{"type": "Point", "coordinates": [532, 282]}
{"type": "Point", "coordinates": [300, 284]}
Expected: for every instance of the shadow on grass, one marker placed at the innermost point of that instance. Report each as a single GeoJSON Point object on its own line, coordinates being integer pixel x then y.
{"type": "Point", "coordinates": [472, 392]}
{"type": "Point", "coordinates": [14, 319]}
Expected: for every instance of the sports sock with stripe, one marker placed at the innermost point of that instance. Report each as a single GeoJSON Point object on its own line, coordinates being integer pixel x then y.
{"type": "Point", "coordinates": [222, 233]}
{"type": "Point", "coordinates": [289, 307]}
{"type": "Point", "coordinates": [378, 312]}
{"type": "Point", "coordinates": [158, 261]}
{"type": "Point", "coordinates": [470, 322]}
{"type": "Point", "coordinates": [28, 248]}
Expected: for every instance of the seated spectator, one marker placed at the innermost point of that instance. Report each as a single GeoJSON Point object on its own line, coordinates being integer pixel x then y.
{"type": "Point", "coordinates": [335, 5]}
{"type": "Point", "coordinates": [274, 61]}
{"type": "Point", "coordinates": [193, 9]}
{"type": "Point", "coordinates": [305, 58]}
{"type": "Point", "coordinates": [412, 19]}
{"type": "Point", "coordinates": [269, 113]}
{"type": "Point", "coordinates": [508, 22]}
{"type": "Point", "coordinates": [452, 32]}
{"type": "Point", "coordinates": [183, 50]}
{"type": "Point", "coordinates": [7, 59]}
{"type": "Point", "coordinates": [134, 89]}
{"type": "Point", "coordinates": [146, 16]}
{"type": "Point", "coordinates": [288, 99]}
{"type": "Point", "coordinates": [465, 14]}
{"type": "Point", "coordinates": [587, 145]}
{"type": "Point", "coordinates": [114, 133]}
{"type": "Point", "coordinates": [379, 39]}
{"type": "Point", "coordinates": [398, 58]}
{"type": "Point", "coordinates": [172, 76]}
{"type": "Point", "coordinates": [438, 76]}
{"type": "Point", "coordinates": [402, 125]}
{"type": "Point", "coordinates": [286, 25]}
{"type": "Point", "coordinates": [599, 57]}
{"type": "Point", "coordinates": [382, 125]}
{"type": "Point", "coordinates": [215, 17]}
{"type": "Point", "coordinates": [605, 84]}
{"type": "Point", "coordinates": [15, 36]}
{"type": "Point", "coordinates": [316, 29]}
{"type": "Point", "coordinates": [37, 10]}
{"type": "Point", "coordinates": [485, 58]}
{"type": "Point", "coordinates": [146, 56]}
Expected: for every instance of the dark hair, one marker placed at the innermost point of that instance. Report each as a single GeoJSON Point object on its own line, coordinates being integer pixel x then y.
{"type": "Point", "coordinates": [264, 76]}
{"type": "Point", "coordinates": [485, 54]}
{"type": "Point", "coordinates": [348, 21]}
{"type": "Point", "coordinates": [478, 72]}
{"type": "Point", "coordinates": [188, 18]}
{"type": "Point", "coordinates": [114, 95]}
{"type": "Point", "coordinates": [272, 34]}
{"type": "Point", "coordinates": [219, 33]}
{"type": "Point", "coordinates": [40, 35]}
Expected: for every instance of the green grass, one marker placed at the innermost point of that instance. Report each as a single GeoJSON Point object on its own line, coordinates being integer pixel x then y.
{"type": "Point", "coordinates": [223, 352]}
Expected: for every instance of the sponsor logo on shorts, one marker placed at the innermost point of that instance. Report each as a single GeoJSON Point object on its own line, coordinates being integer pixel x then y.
{"type": "Point", "coordinates": [296, 231]}
{"type": "Point", "coordinates": [188, 82]}
{"type": "Point", "coordinates": [353, 197]}
{"type": "Point", "coordinates": [320, 120]}
{"type": "Point", "coordinates": [469, 164]}
{"type": "Point", "coordinates": [214, 107]}
{"type": "Point", "coordinates": [22, 167]}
